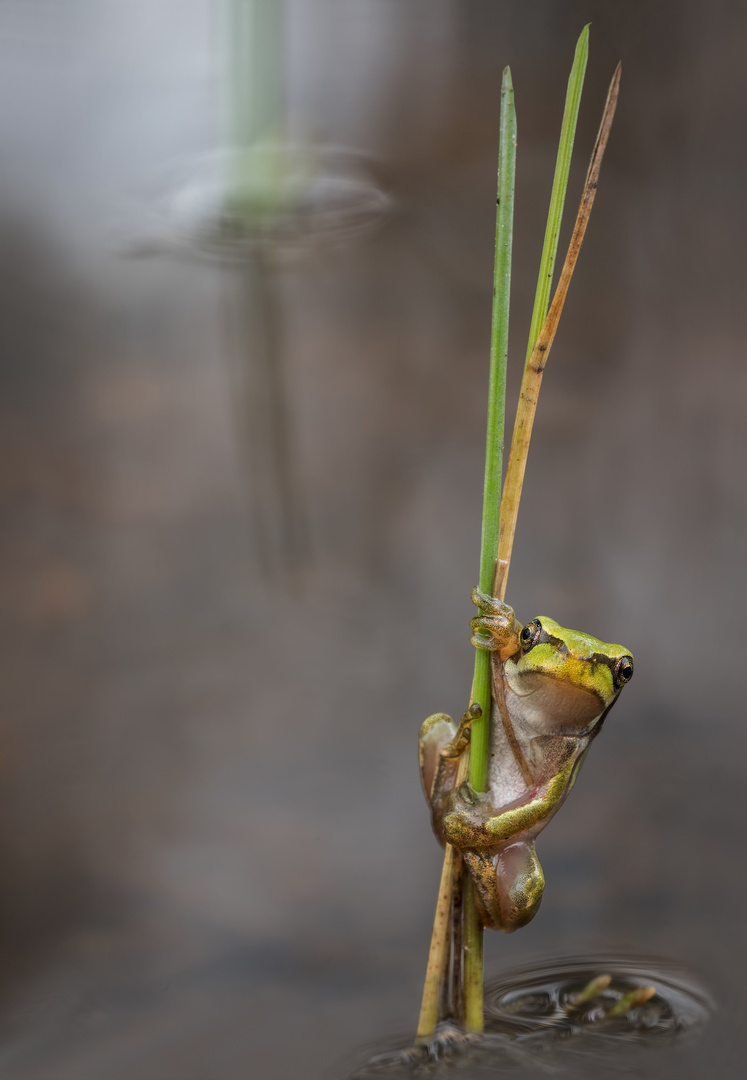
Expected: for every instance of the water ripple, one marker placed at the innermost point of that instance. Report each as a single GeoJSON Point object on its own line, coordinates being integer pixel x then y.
{"type": "Point", "coordinates": [304, 197]}
{"type": "Point", "coordinates": [549, 1016]}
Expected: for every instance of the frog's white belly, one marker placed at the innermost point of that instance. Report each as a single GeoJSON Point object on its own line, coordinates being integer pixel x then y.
{"type": "Point", "coordinates": [506, 784]}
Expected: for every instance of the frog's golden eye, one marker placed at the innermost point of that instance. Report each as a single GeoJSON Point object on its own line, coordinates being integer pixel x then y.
{"type": "Point", "coordinates": [623, 670]}
{"type": "Point", "coordinates": [530, 635]}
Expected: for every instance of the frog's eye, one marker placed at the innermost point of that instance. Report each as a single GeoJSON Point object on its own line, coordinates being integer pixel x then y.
{"type": "Point", "coordinates": [623, 670]}
{"type": "Point", "coordinates": [530, 635]}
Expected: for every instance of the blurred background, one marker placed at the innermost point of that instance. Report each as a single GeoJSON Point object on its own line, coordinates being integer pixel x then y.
{"type": "Point", "coordinates": [216, 858]}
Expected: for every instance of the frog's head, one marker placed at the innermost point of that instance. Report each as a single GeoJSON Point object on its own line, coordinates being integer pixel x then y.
{"type": "Point", "coordinates": [563, 680]}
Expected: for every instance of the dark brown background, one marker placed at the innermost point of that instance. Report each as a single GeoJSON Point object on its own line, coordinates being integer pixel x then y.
{"type": "Point", "coordinates": [215, 856]}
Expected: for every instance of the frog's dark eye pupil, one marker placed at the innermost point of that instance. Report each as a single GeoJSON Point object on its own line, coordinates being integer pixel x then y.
{"type": "Point", "coordinates": [530, 634]}
{"type": "Point", "coordinates": [624, 671]}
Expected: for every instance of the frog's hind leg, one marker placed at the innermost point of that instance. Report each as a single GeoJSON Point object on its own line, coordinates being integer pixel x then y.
{"type": "Point", "coordinates": [508, 886]}
{"type": "Point", "coordinates": [520, 882]}
{"type": "Point", "coordinates": [442, 743]}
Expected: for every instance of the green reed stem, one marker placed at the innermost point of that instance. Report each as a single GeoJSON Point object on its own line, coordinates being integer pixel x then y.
{"type": "Point", "coordinates": [473, 1017]}
{"type": "Point", "coordinates": [559, 188]}
{"type": "Point", "coordinates": [491, 507]}
{"type": "Point", "coordinates": [253, 101]}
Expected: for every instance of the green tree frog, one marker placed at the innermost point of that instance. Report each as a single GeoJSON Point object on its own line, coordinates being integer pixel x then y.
{"type": "Point", "coordinates": [551, 690]}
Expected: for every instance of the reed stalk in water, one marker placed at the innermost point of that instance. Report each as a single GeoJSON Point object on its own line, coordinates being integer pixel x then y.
{"type": "Point", "coordinates": [499, 515]}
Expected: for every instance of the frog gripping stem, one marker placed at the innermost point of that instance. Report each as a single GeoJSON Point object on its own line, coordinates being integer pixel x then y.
{"type": "Point", "coordinates": [495, 633]}
{"type": "Point", "coordinates": [495, 629]}
{"type": "Point", "coordinates": [460, 742]}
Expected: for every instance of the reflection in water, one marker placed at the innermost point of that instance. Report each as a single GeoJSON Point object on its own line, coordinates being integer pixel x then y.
{"type": "Point", "coordinates": [583, 1007]}
{"type": "Point", "coordinates": [264, 430]}
{"type": "Point", "coordinates": [261, 202]}
{"type": "Point", "coordinates": [292, 199]}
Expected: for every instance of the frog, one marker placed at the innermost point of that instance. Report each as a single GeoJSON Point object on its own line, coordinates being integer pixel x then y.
{"type": "Point", "coordinates": [551, 691]}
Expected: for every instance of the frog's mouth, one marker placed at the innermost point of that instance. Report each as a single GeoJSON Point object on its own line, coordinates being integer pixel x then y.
{"type": "Point", "coordinates": [552, 704]}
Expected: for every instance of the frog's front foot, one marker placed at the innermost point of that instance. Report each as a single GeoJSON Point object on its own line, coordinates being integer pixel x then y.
{"type": "Point", "coordinates": [495, 629]}
{"type": "Point", "coordinates": [459, 743]}
{"type": "Point", "coordinates": [442, 743]}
